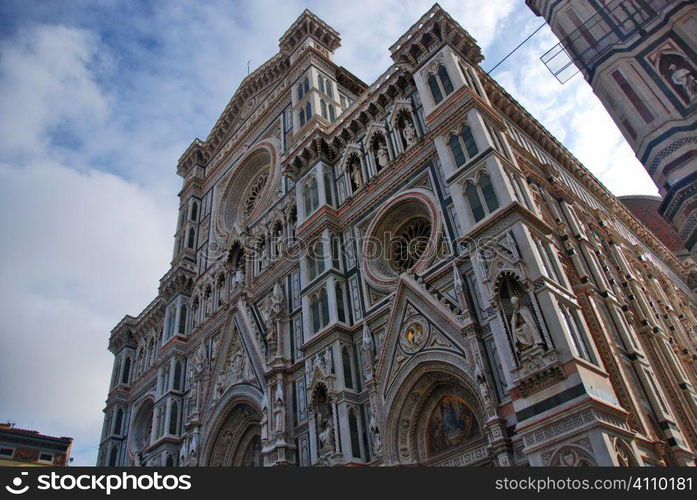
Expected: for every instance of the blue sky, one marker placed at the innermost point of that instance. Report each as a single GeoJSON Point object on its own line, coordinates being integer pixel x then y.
{"type": "Point", "coordinates": [99, 99]}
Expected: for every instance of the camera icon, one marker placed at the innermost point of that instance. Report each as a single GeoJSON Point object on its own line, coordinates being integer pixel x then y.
{"type": "Point", "coordinates": [16, 488]}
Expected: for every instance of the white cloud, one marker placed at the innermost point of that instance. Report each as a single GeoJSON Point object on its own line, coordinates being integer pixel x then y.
{"type": "Point", "coordinates": [46, 84]}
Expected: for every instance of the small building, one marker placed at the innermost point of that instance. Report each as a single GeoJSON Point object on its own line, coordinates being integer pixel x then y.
{"type": "Point", "coordinates": [24, 447]}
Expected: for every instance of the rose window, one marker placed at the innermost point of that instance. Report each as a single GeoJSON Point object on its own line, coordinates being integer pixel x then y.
{"type": "Point", "coordinates": [410, 243]}
{"type": "Point", "coordinates": [254, 193]}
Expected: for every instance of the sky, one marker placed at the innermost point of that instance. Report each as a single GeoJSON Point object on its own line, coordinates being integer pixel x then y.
{"type": "Point", "coordinates": [99, 99]}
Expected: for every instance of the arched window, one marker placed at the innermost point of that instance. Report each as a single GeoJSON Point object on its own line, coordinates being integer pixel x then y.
{"type": "Point", "coordinates": [319, 310]}
{"type": "Point", "coordinates": [311, 196]}
{"type": "Point", "coordinates": [324, 305]}
{"type": "Point", "coordinates": [191, 239]}
{"type": "Point", "coordinates": [328, 187]}
{"type": "Point", "coordinates": [468, 139]}
{"type": "Point", "coordinates": [323, 108]}
{"type": "Point", "coordinates": [182, 319]}
{"type": "Point", "coordinates": [303, 88]}
{"type": "Point", "coordinates": [336, 252]}
{"type": "Point", "coordinates": [170, 461]}
{"type": "Point", "coordinates": [435, 89]}
{"type": "Point", "coordinates": [340, 307]}
{"type": "Point", "coordinates": [118, 422]}
{"type": "Point", "coordinates": [320, 81]}
{"type": "Point", "coordinates": [332, 114]}
{"type": "Point", "coordinates": [308, 111]}
{"type": "Point", "coordinates": [301, 116]}
{"type": "Point", "coordinates": [314, 312]}
{"type": "Point", "coordinates": [440, 84]}
{"type": "Point", "coordinates": [113, 456]}
{"type": "Point", "coordinates": [315, 260]}
{"type": "Point", "coordinates": [353, 429]}
{"type": "Point", "coordinates": [178, 376]}
{"type": "Point", "coordinates": [456, 149]}
{"type": "Point", "coordinates": [459, 143]}
{"type": "Point", "coordinates": [346, 363]}
{"type": "Point", "coordinates": [445, 79]}
{"type": "Point", "coordinates": [328, 88]}
{"type": "Point", "coordinates": [173, 418]}
{"type": "Point", "coordinates": [126, 371]}
{"type": "Point", "coordinates": [492, 203]}
{"type": "Point", "coordinates": [474, 202]}
{"type": "Point", "coordinates": [194, 211]}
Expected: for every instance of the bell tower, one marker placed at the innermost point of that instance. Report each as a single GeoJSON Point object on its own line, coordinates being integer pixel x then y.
{"type": "Point", "coordinates": [639, 58]}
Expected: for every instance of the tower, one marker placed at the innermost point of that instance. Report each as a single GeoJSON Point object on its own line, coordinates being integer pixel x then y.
{"type": "Point", "coordinates": [639, 58]}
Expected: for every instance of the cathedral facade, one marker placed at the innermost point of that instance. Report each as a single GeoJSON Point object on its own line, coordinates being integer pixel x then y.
{"type": "Point", "coordinates": [412, 272]}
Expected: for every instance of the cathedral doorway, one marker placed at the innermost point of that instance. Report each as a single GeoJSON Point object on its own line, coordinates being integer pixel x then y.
{"type": "Point", "coordinates": [436, 420]}
{"type": "Point", "coordinates": [236, 438]}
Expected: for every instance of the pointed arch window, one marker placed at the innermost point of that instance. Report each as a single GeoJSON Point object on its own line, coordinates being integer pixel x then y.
{"type": "Point", "coordinates": [492, 203]}
{"type": "Point", "coordinates": [468, 139]}
{"type": "Point", "coordinates": [328, 187]}
{"type": "Point", "coordinates": [340, 306]}
{"type": "Point", "coordinates": [194, 211]}
{"type": "Point", "coordinates": [332, 114]}
{"type": "Point", "coordinates": [315, 260]}
{"type": "Point", "coordinates": [126, 371]}
{"type": "Point", "coordinates": [301, 117]}
{"type": "Point", "coordinates": [178, 376]}
{"type": "Point", "coordinates": [182, 319]}
{"type": "Point", "coordinates": [174, 418]}
{"type": "Point", "coordinates": [445, 79]}
{"type": "Point", "coordinates": [463, 146]}
{"type": "Point", "coordinates": [118, 422]}
{"type": "Point", "coordinates": [319, 310]}
{"type": "Point", "coordinates": [435, 88]}
{"type": "Point", "coordinates": [440, 84]}
{"type": "Point", "coordinates": [481, 197]}
{"type": "Point", "coordinates": [456, 149]}
{"type": "Point", "coordinates": [346, 362]}
{"type": "Point", "coordinates": [308, 111]}
{"type": "Point", "coordinates": [328, 88]}
{"type": "Point", "coordinates": [311, 196]}
{"type": "Point", "coordinates": [191, 240]}
{"type": "Point", "coordinates": [323, 108]}
{"type": "Point", "coordinates": [353, 429]}
{"type": "Point", "coordinates": [303, 88]}
{"type": "Point", "coordinates": [474, 202]}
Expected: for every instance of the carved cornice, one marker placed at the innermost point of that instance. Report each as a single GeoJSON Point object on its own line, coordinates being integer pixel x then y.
{"type": "Point", "coordinates": [428, 34]}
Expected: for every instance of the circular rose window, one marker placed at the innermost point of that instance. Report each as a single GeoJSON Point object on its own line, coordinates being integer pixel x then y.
{"type": "Point", "coordinates": [410, 243]}
{"type": "Point", "coordinates": [402, 237]}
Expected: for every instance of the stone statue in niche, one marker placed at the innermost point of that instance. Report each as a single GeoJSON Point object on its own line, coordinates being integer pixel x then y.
{"type": "Point", "coordinates": [685, 79]}
{"type": "Point", "coordinates": [409, 132]}
{"type": "Point", "coordinates": [326, 435]}
{"type": "Point", "coordinates": [368, 352]}
{"type": "Point", "coordinates": [381, 157]}
{"type": "Point", "coordinates": [680, 74]}
{"type": "Point", "coordinates": [375, 431]}
{"type": "Point", "coordinates": [279, 410]}
{"type": "Point", "coordinates": [525, 332]}
{"type": "Point", "coordinates": [356, 176]}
